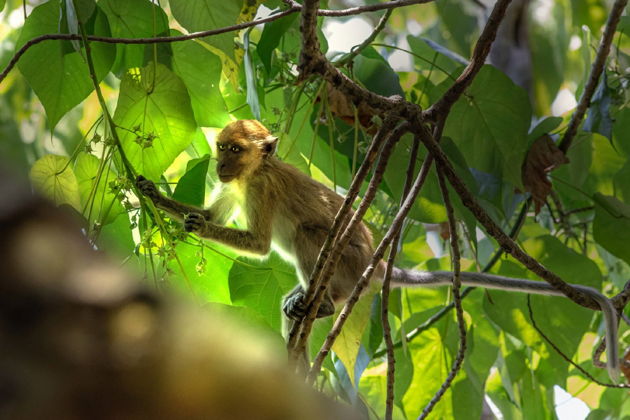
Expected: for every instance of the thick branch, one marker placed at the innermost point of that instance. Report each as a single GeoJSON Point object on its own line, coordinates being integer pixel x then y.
{"type": "Point", "coordinates": [495, 231]}
{"type": "Point", "coordinates": [367, 274]}
{"type": "Point", "coordinates": [596, 70]}
{"type": "Point", "coordinates": [478, 59]}
{"type": "Point", "coordinates": [340, 221]}
{"type": "Point", "coordinates": [344, 240]}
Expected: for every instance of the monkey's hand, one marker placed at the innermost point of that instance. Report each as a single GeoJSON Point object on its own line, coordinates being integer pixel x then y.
{"type": "Point", "coordinates": [147, 188]}
{"type": "Point", "coordinates": [194, 223]}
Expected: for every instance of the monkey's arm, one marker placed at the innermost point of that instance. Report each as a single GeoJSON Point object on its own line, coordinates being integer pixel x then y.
{"type": "Point", "coordinates": [256, 239]}
{"type": "Point", "coordinates": [176, 209]}
{"type": "Point", "coordinates": [401, 277]}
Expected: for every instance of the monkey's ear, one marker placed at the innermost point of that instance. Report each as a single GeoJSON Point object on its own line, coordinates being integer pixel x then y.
{"type": "Point", "coordinates": [269, 145]}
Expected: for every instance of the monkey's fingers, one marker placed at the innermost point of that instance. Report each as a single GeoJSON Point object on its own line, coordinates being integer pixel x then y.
{"type": "Point", "coordinates": [294, 306]}
{"type": "Point", "coordinates": [194, 222]}
{"type": "Point", "coordinates": [147, 187]}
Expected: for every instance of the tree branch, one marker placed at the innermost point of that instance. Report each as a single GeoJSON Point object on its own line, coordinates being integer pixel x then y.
{"type": "Point", "coordinates": [356, 50]}
{"type": "Point", "coordinates": [348, 233]}
{"type": "Point", "coordinates": [478, 59]}
{"type": "Point", "coordinates": [367, 274]}
{"type": "Point", "coordinates": [340, 221]}
{"type": "Point", "coordinates": [359, 9]}
{"type": "Point", "coordinates": [294, 8]}
{"type": "Point", "coordinates": [495, 231]}
{"type": "Point", "coordinates": [457, 299]}
{"type": "Point", "coordinates": [596, 70]}
{"type": "Point", "coordinates": [387, 331]}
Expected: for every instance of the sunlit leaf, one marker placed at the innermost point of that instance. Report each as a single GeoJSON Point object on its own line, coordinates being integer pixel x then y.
{"type": "Point", "coordinates": [53, 176]}
{"type": "Point", "coordinates": [66, 79]}
{"type": "Point", "coordinates": [155, 118]}
{"type": "Point", "coordinates": [191, 188]}
{"type": "Point", "coordinates": [133, 19]}
{"type": "Point", "coordinates": [99, 203]}
{"type": "Point", "coordinates": [346, 347]}
{"type": "Point", "coordinates": [261, 286]}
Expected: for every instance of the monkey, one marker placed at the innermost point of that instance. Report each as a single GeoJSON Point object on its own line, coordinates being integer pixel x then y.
{"type": "Point", "coordinates": [291, 213]}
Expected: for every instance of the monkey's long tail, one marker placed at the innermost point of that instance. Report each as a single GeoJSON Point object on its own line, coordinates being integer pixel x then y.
{"type": "Point", "coordinates": [407, 278]}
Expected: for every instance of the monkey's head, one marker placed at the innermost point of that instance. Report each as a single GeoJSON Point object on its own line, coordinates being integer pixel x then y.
{"type": "Point", "coordinates": [242, 147]}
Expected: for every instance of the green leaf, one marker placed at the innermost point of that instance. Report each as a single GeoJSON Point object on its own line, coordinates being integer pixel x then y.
{"type": "Point", "coordinates": [156, 102]}
{"type": "Point", "coordinates": [548, 44]}
{"type": "Point", "coordinates": [491, 144]}
{"type": "Point", "coordinates": [375, 73]}
{"type": "Point", "coordinates": [270, 38]}
{"type": "Point", "coordinates": [59, 75]}
{"type": "Point", "coordinates": [611, 227]}
{"type": "Point", "coordinates": [200, 70]}
{"type": "Point", "coordinates": [191, 188]}
{"type": "Point", "coordinates": [431, 360]}
{"type": "Point", "coordinates": [134, 19]}
{"type": "Point", "coordinates": [261, 285]}
{"type": "Point", "coordinates": [621, 184]}
{"type": "Point", "coordinates": [544, 126]}
{"type": "Point", "coordinates": [346, 347]}
{"type": "Point", "coordinates": [460, 23]}
{"type": "Point", "coordinates": [202, 272]}
{"type": "Point", "coordinates": [203, 15]}
{"type": "Point", "coordinates": [607, 162]}
{"type": "Point", "coordinates": [557, 317]}
{"type": "Point", "coordinates": [598, 119]}
{"type": "Point", "coordinates": [429, 57]}
{"type": "Point", "coordinates": [52, 176]}
{"type": "Point", "coordinates": [97, 199]}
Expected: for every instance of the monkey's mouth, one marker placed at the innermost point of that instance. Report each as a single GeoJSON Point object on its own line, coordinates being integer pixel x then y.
{"type": "Point", "coordinates": [226, 177]}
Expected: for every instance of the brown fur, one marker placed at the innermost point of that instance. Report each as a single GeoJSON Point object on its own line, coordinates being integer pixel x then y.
{"type": "Point", "coordinates": [284, 209]}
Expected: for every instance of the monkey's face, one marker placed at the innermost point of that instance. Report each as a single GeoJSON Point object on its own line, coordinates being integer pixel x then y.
{"type": "Point", "coordinates": [241, 148]}
{"type": "Point", "coordinates": [236, 159]}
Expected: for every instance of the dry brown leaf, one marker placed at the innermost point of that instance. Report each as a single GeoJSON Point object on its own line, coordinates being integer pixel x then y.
{"type": "Point", "coordinates": [543, 157]}
{"type": "Point", "coordinates": [343, 108]}
{"type": "Point", "coordinates": [625, 366]}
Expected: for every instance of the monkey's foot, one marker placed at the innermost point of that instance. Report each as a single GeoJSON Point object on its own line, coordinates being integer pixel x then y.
{"type": "Point", "coordinates": [147, 188]}
{"type": "Point", "coordinates": [295, 308]}
{"type": "Point", "coordinates": [194, 223]}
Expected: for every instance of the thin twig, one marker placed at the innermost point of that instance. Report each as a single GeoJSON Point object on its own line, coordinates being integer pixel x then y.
{"type": "Point", "coordinates": [387, 331]}
{"type": "Point", "coordinates": [478, 59]}
{"type": "Point", "coordinates": [359, 9]}
{"type": "Point", "coordinates": [596, 70]}
{"type": "Point", "coordinates": [194, 35]}
{"type": "Point", "coordinates": [339, 222]}
{"type": "Point", "coordinates": [344, 240]}
{"type": "Point", "coordinates": [356, 50]}
{"type": "Point", "coordinates": [564, 356]}
{"type": "Point", "coordinates": [457, 299]}
{"type": "Point", "coordinates": [367, 274]}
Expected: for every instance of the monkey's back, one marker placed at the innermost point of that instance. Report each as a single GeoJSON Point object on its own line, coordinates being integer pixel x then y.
{"type": "Point", "coordinates": [304, 212]}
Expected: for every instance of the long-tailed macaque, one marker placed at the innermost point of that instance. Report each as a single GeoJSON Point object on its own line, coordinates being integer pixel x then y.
{"type": "Point", "coordinates": [289, 212]}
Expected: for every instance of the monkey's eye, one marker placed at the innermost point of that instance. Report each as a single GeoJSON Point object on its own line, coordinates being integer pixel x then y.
{"type": "Point", "coordinates": [235, 149]}
{"type": "Point", "coordinates": [221, 146]}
